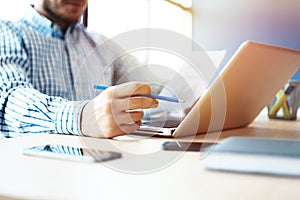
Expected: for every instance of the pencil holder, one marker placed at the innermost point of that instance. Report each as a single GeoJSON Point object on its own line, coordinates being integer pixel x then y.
{"type": "Point", "coordinates": [285, 103]}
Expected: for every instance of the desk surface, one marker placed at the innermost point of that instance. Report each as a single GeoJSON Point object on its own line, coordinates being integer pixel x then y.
{"type": "Point", "coordinates": [184, 177]}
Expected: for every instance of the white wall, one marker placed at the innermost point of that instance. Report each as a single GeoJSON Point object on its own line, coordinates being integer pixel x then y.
{"type": "Point", "coordinates": [13, 9]}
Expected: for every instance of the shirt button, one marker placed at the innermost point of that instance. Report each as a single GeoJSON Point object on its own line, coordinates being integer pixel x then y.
{"type": "Point", "coordinates": [73, 63]}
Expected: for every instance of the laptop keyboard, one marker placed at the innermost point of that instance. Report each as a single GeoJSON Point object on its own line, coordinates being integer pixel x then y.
{"type": "Point", "coordinates": [164, 124]}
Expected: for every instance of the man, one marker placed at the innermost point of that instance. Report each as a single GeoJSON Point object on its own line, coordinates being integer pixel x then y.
{"type": "Point", "coordinates": [48, 64]}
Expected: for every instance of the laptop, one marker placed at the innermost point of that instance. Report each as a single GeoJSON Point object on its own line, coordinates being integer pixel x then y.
{"type": "Point", "coordinates": [248, 82]}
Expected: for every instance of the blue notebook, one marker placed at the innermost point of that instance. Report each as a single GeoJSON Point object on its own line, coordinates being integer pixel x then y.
{"type": "Point", "coordinates": [255, 155]}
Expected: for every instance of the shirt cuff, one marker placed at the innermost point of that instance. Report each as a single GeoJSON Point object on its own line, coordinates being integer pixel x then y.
{"type": "Point", "coordinates": [68, 118]}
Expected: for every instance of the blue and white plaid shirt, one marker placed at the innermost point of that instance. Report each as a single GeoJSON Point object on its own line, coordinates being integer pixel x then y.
{"type": "Point", "coordinates": [46, 76]}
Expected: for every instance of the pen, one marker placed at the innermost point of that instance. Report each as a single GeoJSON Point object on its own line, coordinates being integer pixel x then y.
{"type": "Point", "coordinates": [154, 96]}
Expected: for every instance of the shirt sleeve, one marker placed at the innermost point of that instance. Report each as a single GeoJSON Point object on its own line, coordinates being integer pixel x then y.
{"type": "Point", "coordinates": [23, 109]}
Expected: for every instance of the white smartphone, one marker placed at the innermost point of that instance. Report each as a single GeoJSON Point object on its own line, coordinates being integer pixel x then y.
{"type": "Point", "coordinates": [71, 153]}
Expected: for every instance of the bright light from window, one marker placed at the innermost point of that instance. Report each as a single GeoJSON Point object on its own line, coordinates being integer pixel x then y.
{"type": "Point", "coordinates": [115, 17]}
{"type": "Point", "coordinates": [13, 9]}
{"type": "Point", "coordinates": [184, 3]}
{"type": "Point", "coordinates": [167, 16]}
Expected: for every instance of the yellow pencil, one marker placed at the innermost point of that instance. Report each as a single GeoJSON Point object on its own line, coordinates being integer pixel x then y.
{"type": "Point", "coordinates": [280, 101]}
{"type": "Point", "coordinates": [285, 106]}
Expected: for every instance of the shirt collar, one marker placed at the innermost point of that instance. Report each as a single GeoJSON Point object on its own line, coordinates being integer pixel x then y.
{"type": "Point", "coordinates": [46, 26]}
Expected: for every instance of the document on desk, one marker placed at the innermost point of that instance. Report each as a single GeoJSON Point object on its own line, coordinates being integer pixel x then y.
{"type": "Point", "coordinates": [254, 155]}
{"type": "Point", "coordinates": [189, 83]}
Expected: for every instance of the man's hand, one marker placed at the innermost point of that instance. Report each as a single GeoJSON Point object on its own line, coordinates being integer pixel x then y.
{"type": "Point", "coordinates": [116, 111]}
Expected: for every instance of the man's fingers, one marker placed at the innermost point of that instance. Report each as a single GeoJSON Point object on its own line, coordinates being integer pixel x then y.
{"type": "Point", "coordinates": [129, 128]}
{"type": "Point", "coordinates": [141, 103]}
{"type": "Point", "coordinates": [133, 103]}
{"type": "Point", "coordinates": [129, 117]}
{"type": "Point", "coordinates": [117, 110]}
{"type": "Point", "coordinates": [130, 89]}
{"type": "Point", "coordinates": [122, 129]}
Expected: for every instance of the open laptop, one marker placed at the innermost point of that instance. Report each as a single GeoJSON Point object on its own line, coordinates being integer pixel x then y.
{"type": "Point", "coordinates": [248, 82]}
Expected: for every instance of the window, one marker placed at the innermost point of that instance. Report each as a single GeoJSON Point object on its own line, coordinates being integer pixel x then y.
{"type": "Point", "coordinates": [9, 10]}
{"type": "Point", "coordinates": [115, 17]}
{"type": "Point", "coordinates": [175, 15]}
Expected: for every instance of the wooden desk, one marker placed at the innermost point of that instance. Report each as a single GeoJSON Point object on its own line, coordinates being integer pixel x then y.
{"type": "Point", "coordinates": [185, 178]}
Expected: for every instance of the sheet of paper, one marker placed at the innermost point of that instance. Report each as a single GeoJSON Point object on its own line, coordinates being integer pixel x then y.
{"type": "Point", "coordinates": [189, 83]}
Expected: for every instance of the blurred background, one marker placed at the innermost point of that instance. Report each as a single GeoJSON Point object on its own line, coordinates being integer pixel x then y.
{"type": "Point", "coordinates": [213, 24]}
{"type": "Point", "coordinates": [225, 24]}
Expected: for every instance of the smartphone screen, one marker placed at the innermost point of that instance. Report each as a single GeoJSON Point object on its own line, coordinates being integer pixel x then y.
{"type": "Point", "coordinates": [71, 153]}
{"type": "Point", "coordinates": [186, 146]}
